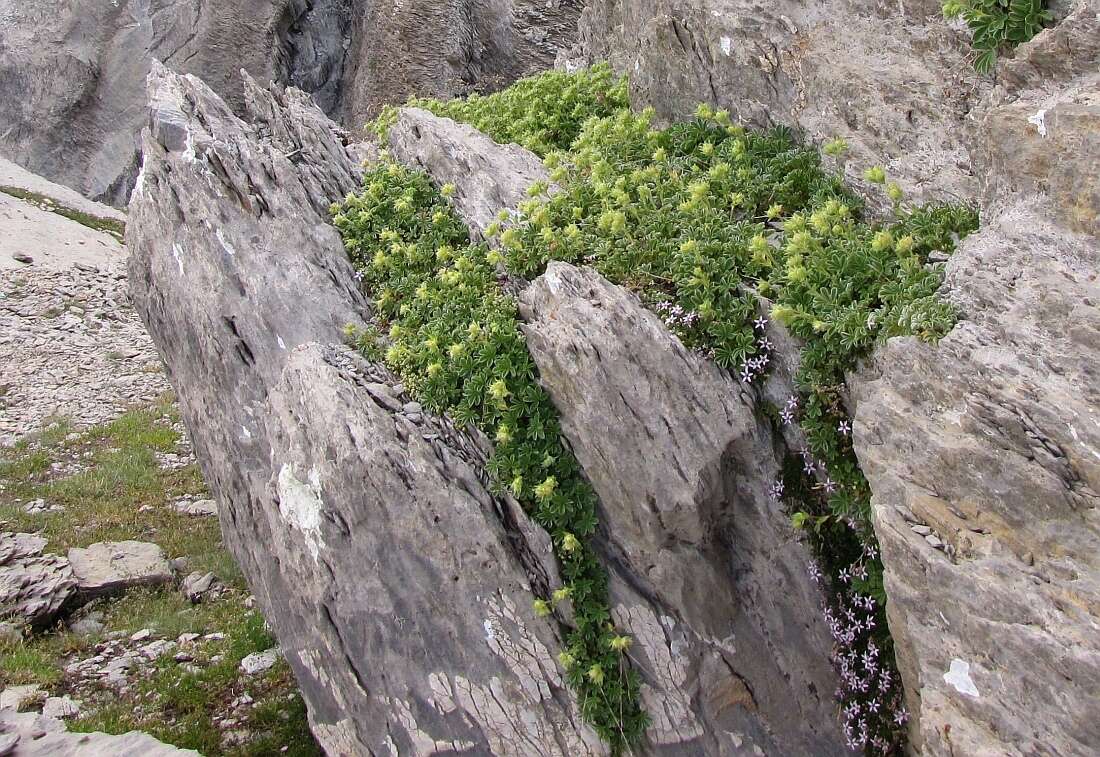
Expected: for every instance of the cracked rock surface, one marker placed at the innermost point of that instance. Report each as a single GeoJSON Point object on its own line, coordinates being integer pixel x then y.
{"type": "Point", "coordinates": [893, 79]}
{"type": "Point", "coordinates": [28, 734]}
{"type": "Point", "coordinates": [983, 451]}
{"type": "Point", "coordinates": [992, 439]}
{"type": "Point", "coordinates": [706, 573]}
{"type": "Point", "coordinates": [487, 176]}
{"type": "Point", "coordinates": [33, 586]}
{"type": "Point", "coordinates": [398, 586]}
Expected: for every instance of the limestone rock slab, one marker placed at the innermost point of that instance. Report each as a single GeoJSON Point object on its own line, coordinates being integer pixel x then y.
{"type": "Point", "coordinates": [399, 587]}
{"type": "Point", "coordinates": [112, 566]}
{"type": "Point", "coordinates": [991, 439]}
{"type": "Point", "coordinates": [33, 587]}
{"type": "Point", "coordinates": [487, 176]}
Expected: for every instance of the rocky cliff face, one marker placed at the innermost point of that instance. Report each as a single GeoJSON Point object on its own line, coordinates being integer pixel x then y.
{"type": "Point", "coordinates": [986, 443]}
{"type": "Point", "coordinates": [707, 570]}
{"type": "Point", "coordinates": [990, 440]}
{"type": "Point", "coordinates": [399, 584]}
{"type": "Point", "coordinates": [71, 76]}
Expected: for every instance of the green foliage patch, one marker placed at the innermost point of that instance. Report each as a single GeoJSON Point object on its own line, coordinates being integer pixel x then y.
{"type": "Point", "coordinates": [998, 24]}
{"type": "Point", "coordinates": [541, 113]}
{"type": "Point", "coordinates": [710, 224]}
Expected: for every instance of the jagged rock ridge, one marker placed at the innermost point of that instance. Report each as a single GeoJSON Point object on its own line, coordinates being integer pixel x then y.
{"type": "Point", "coordinates": [410, 626]}
{"type": "Point", "coordinates": [398, 586]}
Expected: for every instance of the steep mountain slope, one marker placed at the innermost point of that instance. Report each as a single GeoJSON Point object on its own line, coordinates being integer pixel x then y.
{"type": "Point", "coordinates": [72, 75]}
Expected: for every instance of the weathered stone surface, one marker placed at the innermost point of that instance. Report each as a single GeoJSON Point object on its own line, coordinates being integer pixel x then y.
{"type": "Point", "coordinates": [398, 586]}
{"type": "Point", "coordinates": [1040, 131]}
{"type": "Point", "coordinates": [111, 566]}
{"type": "Point", "coordinates": [259, 662]}
{"type": "Point", "coordinates": [71, 75]}
{"type": "Point", "coordinates": [893, 79]}
{"type": "Point", "coordinates": [992, 439]}
{"type": "Point", "coordinates": [441, 49]}
{"type": "Point", "coordinates": [60, 708]}
{"type": "Point", "coordinates": [10, 633]}
{"type": "Point", "coordinates": [33, 587]}
{"type": "Point", "coordinates": [198, 507]}
{"type": "Point", "coordinates": [710, 575]}
{"type": "Point", "coordinates": [16, 697]}
{"type": "Point", "coordinates": [487, 176]}
{"type": "Point", "coordinates": [34, 735]}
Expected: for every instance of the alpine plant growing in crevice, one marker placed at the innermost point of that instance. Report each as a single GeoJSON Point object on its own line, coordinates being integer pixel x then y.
{"type": "Point", "coordinates": [703, 220]}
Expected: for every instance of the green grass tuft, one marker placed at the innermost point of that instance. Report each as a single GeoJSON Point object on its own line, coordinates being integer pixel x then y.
{"type": "Point", "coordinates": [116, 475]}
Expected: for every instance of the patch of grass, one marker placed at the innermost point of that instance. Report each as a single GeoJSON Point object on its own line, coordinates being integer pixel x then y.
{"type": "Point", "coordinates": [103, 477]}
{"type": "Point", "coordinates": [111, 226]}
{"type": "Point", "coordinates": [179, 706]}
{"type": "Point", "coordinates": [112, 489]}
{"type": "Point", "coordinates": [30, 662]}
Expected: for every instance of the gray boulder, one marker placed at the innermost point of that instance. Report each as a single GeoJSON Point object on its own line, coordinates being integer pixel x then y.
{"type": "Point", "coordinates": [259, 662]}
{"type": "Point", "coordinates": [29, 734]}
{"type": "Point", "coordinates": [60, 708]}
{"type": "Point", "coordinates": [983, 452]}
{"type": "Point", "coordinates": [18, 697]}
{"type": "Point", "coordinates": [198, 587]}
{"type": "Point", "coordinates": [1039, 133]}
{"type": "Point", "coordinates": [990, 439]}
{"type": "Point", "coordinates": [487, 176]}
{"type": "Point", "coordinates": [113, 566]}
{"type": "Point", "coordinates": [33, 587]}
{"type": "Point", "coordinates": [198, 507]}
{"type": "Point", "coordinates": [399, 588]}
{"type": "Point", "coordinates": [709, 573]}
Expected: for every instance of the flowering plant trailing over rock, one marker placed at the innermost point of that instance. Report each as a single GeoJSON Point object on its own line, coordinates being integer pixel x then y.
{"type": "Point", "coordinates": [702, 220]}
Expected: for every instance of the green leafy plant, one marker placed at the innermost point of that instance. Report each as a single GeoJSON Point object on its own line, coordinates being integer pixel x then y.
{"type": "Point", "coordinates": [453, 336]}
{"type": "Point", "coordinates": [541, 113]}
{"type": "Point", "coordinates": [998, 24]}
{"type": "Point", "coordinates": [709, 223]}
